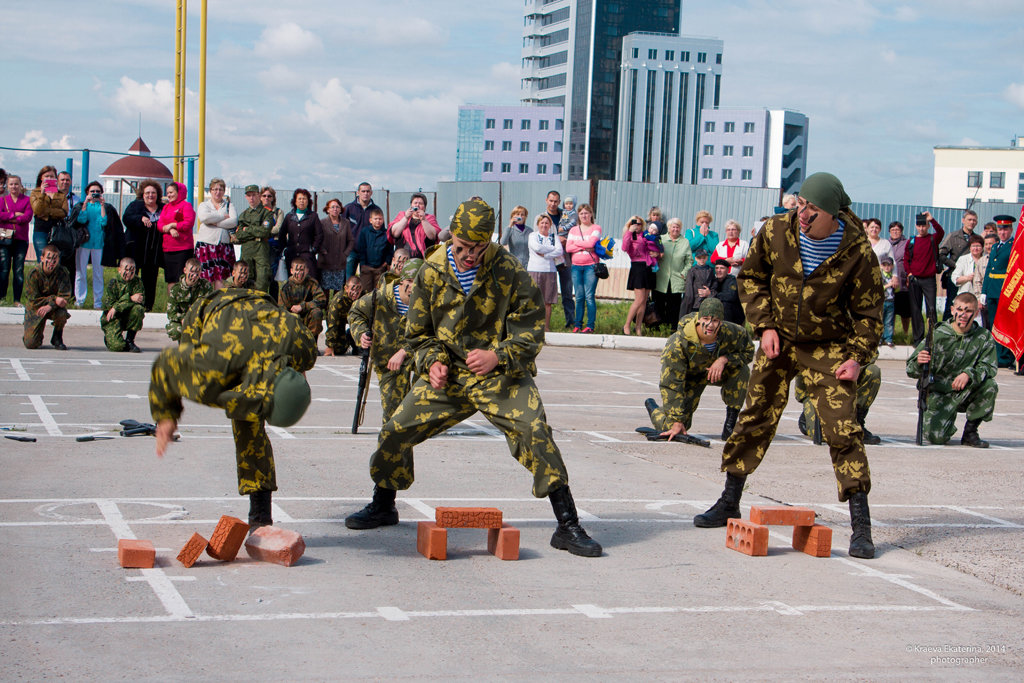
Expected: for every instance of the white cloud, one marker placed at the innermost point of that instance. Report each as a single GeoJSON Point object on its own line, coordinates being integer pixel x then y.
{"type": "Point", "coordinates": [411, 31]}
{"type": "Point", "coordinates": [152, 100]}
{"type": "Point", "coordinates": [288, 40]}
{"type": "Point", "coordinates": [1014, 94]}
{"type": "Point", "coordinates": [279, 77]}
{"type": "Point", "coordinates": [35, 139]}
{"type": "Point", "coordinates": [968, 142]}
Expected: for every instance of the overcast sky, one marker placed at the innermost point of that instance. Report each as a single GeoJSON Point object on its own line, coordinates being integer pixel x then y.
{"type": "Point", "coordinates": [324, 94]}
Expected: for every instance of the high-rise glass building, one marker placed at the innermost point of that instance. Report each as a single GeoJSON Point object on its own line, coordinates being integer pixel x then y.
{"type": "Point", "coordinates": [572, 50]}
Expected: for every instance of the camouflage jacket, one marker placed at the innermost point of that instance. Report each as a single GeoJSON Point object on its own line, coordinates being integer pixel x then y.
{"type": "Point", "coordinates": [309, 294]}
{"type": "Point", "coordinates": [503, 312]}
{"type": "Point", "coordinates": [973, 352]}
{"type": "Point", "coordinates": [337, 316]}
{"type": "Point", "coordinates": [42, 289]}
{"type": "Point", "coordinates": [117, 293]}
{"type": "Point", "coordinates": [180, 299]}
{"type": "Point", "coordinates": [841, 301]}
{"type": "Point", "coordinates": [233, 345]}
{"type": "Point", "coordinates": [388, 324]}
{"type": "Point", "coordinates": [254, 224]}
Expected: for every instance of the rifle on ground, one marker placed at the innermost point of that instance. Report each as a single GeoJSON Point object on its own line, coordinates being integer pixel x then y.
{"type": "Point", "coordinates": [924, 382]}
{"type": "Point", "coordinates": [654, 435]}
{"type": "Point", "coordinates": [364, 370]}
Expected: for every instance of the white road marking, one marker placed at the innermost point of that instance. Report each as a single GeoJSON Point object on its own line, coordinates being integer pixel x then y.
{"type": "Point", "coordinates": [392, 614]}
{"type": "Point", "coordinates": [602, 437]}
{"type": "Point", "coordinates": [44, 415]}
{"type": "Point", "coordinates": [903, 583]}
{"type": "Point", "coordinates": [281, 432]}
{"type": "Point", "coordinates": [965, 511]}
{"type": "Point", "coordinates": [420, 507]}
{"type": "Point", "coordinates": [19, 370]}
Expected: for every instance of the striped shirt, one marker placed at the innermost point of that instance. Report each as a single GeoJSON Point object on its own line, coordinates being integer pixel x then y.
{"type": "Point", "coordinates": [465, 278]}
{"type": "Point", "coordinates": [813, 252]}
{"type": "Point", "coordinates": [403, 307]}
{"type": "Point", "coordinates": [711, 347]}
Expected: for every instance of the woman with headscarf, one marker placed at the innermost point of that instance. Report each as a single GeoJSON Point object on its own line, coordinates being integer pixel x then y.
{"type": "Point", "coordinates": [176, 221]}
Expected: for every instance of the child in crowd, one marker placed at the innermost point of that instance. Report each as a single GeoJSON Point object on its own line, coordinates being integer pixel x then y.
{"type": "Point", "coordinates": [890, 285]}
{"type": "Point", "coordinates": [339, 339]}
{"type": "Point", "coordinates": [373, 250]}
{"type": "Point", "coordinates": [698, 283]}
{"type": "Point", "coordinates": [303, 296]}
{"type": "Point", "coordinates": [653, 235]}
{"type": "Point", "coordinates": [569, 217]}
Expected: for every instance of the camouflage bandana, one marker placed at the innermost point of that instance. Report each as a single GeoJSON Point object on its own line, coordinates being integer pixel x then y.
{"type": "Point", "coordinates": [411, 268]}
{"type": "Point", "coordinates": [711, 308]}
{"type": "Point", "coordinates": [473, 221]}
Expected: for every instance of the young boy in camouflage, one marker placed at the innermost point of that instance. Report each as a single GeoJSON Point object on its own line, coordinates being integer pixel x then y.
{"type": "Point", "coordinates": [475, 326]}
{"type": "Point", "coordinates": [704, 350]}
{"type": "Point", "coordinates": [123, 299]}
{"type": "Point", "coordinates": [338, 338]}
{"type": "Point", "coordinates": [241, 276]}
{"type": "Point", "coordinates": [304, 297]}
{"type": "Point", "coordinates": [242, 353]}
{"type": "Point", "coordinates": [253, 233]}
{"type": "Point", "coordinates": [388, 346]}
{"type": "Point", "coordinates": [963, 363]}
{"type": "Point", "coordinates": [185, 292]}
{"type": "Point", "coordinates": [47, 292]}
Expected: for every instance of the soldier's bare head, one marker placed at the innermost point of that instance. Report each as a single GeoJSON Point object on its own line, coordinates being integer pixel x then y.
{"type": "Point", "coordinates": [964, 309]}
{"type": "Point", "coordinates": [299, 270]}
{"type": "Point", "coordinates": [240, 273]}
{"type": "Point", "coordinates": [126, 268]}
{"type": "Point", "coordinates": [50, 258]}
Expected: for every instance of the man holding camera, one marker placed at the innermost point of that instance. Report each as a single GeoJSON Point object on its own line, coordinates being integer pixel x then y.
{"type": "Point", "coordinates": [920, 261]}
{"type": "Point", "coordinates": [414, 228]}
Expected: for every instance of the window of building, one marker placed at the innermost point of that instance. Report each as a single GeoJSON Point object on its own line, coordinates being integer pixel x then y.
{"type": "Point", "coordinates": [524, 146]}
{"type": "Point", "coordinates": [506, 167]}
{"type": "Point", "coordinates": [974, 179]}
{"type": "Point", "coordinates": [748, 127]}
{"type": "Point", "coordinates": [684, 55]}
{"type": "Point", "coordinates": [488, 145]}
{"type": "Point", "coordinates": [670, 55]}
{"type": "Point", "coordinates": [490, 123]}
{"type": "Point", "coordinates": [726, 174]}
{"type": "Point", "coordinates": [652, 54]}
{"type": "Point", "coordinates": [718, 58]}
{"type": "Point", "coordinates": [727, 150]}
{"type": "Point", "coordinates": [506, 146]}
{"type": "Point", "coordinates": [748, 150]}
{"type": "Point", "coordinates": [705, 173]}
{"type": "Point", "coordinates": [558, 146]}
{"type": "Point", "coordinates": [997, 180]}
{"type": "Point", "coordinates": [507, 125]}
{"type": "Point", "coordinates": [524, 124]}
{"type": "Point", "coordinates": [636, 53]}
{"type": "Point", "coordinates": [709, 150]}
{"type": "Point", "coordinates": [488, 167]}
{"type": "Point", "coordinates": [543, 125]}
{"type": "Point", "coordinates": [702, 57]}
{"type": "Point", "coordinates": [747, 175]}
{"type": "Point", "coordinates": [524, 168]}
{"type": "Point", "coordinates": [730, 126]}
{"type": "Point", "coordinates": [542, 146]}
{"type": "Point", "coordinates": [557, 169]}
{"type": "Point", "coordinates": [709, 126]}
{"type": "Point", "coordinates": [559, 124]}
{"type": "Point", "coordinates": [542, 169]}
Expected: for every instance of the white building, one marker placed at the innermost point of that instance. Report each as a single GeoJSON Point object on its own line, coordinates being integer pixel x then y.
{"type": "Point", "coordinates": [753, 147]}
{"type": "Point", "coordinates": [666, 83]}
{"type": "Point", "coordinates": [984, 174]}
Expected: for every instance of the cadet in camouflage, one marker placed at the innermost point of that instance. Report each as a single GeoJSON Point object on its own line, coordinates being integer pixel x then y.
{"type": "Point", "coordinates": [185, 292]}
{"type": "Point", "coordinates": [475, 326]}
{"type": "Point", "coordinates": [868, 384]}
{"type": "Point", "coordinates": [339, 339]}
{"type": "Point", "coordinates": [964, 366]}
{"type": "Point", "coordinates": [47, 293]}
{"type": "Point", "coordinates": [304, 297]}
{"type": "Point", "coordinates": [123, 309]}
{"type": "Point", "coordinates": [242, 353]}
{"type": "Point", "coordinates": [253, 233]}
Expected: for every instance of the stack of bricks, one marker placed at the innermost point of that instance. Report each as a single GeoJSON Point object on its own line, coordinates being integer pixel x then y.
{"type": "Point", "coordinates": [751, 537]}
{"type": "Point", "coordinates": [267, 544]}
{"type": "Point", "coordinates": [432, 537]}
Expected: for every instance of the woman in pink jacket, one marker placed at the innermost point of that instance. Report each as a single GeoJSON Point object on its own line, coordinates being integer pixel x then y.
{"type": "Point", "coordinates": [580, 242]}
{"type": "Point", "coordinates": [15, 215]}
{"type": "Point", "coordinates": [643, 256]}
{"type": "Point", "coordinates": [176, 221]}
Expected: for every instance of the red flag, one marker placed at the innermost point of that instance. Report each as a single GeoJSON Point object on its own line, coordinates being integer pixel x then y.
{"type": "Point", "coordinates": [1008, 327]}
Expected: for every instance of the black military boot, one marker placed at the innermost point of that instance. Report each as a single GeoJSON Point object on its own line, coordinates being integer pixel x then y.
{"type": "Point", "coordinates": [570, 535]}
{"type": "Point", "coordinates": [259, 510]}
{"type": "Point", "coordinates": [730, 422]}
{"type": "Point", "coordinates": [860, 519]}
{"type": "Point", "coordinates": [651, 406]}
{"type": "Point", "coordinates": [801, 424]}
{"type": "Point", "coordinates": [57, 340]}
{"type": "Point", "coordinates": [869, 438]}
{"type": "Point", "coordinates": [970, 437]}
{"type": "Point", "coordinates": [380, 512]}
{"type": "Point", "coordinates": [727, 507]}
{"type": "Point", "coordinates": [129, 339]}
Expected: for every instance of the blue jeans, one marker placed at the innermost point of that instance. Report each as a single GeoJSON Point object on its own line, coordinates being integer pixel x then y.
{"type": "Point", "coordinates": [888, 320]}
{"type": "Point", "coordinates": [13, 256]}
{"type": "Point", "coordinates": [39, 240]}
{"type": "Point", "coordinates": [584, 283]}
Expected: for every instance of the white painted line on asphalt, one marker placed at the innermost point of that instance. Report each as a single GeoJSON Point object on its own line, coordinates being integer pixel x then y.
{"type": "Point", "coordinates": [997, 520]}
{"type": "Point", "coordinates": [627, 377]}
{"type": "Point", "coordinates": [420, 507]}
{"type": "Point", "coordinates": [392, 614]}
{"type": "Point", "coordinates": [602, 437]}
{"type": "Point", "coordinates": [281, 432]}
{"type": "Point", "coordinates": [279, 515]}
{"type": "Point", "coordinates": [169, 578]}
{"type": "Point", "coordinates": [114, 550]}
{"type": "Point", "coordinates": [903, 583]}
{"type": "Point", "coordinates": [783, 609]}
{"type": "Point", "coordinates": [19, 370]}
{"type": "Point", "coordinates": [44, 415]}
{"type": "Point", "coordinates": [592, 611]}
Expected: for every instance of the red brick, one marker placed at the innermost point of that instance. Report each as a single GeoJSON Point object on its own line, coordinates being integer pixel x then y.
{"type": "Point", "coordinates": [277, 545]}
{"type": "Point", "coordinates": [432, 541]}
{"type": "Point", "coordinates": [468, 518]}
{"type": "Point", "coordinates": [503, 543]}
{"type": "Point", "coordinates": [814, 540]}
{"type": "Point", "coordinates": [746, 537]}
{"type": "Point", "coordinates": [781, 515]}
{"type": "Point", "coordinates": [135, 554]}
{"type": "Point", "coordinates": [192, 550]}
{"type": "Point", "coordinates": [227, 538]}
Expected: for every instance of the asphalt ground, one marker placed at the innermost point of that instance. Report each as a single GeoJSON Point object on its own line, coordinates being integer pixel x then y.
{"type": "Point", "coordinates": [942, 599]}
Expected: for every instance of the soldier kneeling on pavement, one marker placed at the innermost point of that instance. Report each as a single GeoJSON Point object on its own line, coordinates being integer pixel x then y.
{"type": "Point", "coordinates": [304, 297]}
{"type": "Point", "coordinates": [963, 365]}
{"type": "Point", "coordinates": [241, 277]}
{"type": "Point", "coordinates": [704, 350]}
{"type": "Point", "coordinates": [185, 292]}
{"type": "Point", "coordinates": [339, 339]}
{"type": "Point", "coordinates": [868, 383]}
{"type": "Point", "coordinates": [47, 291]}
{"type": "Point", "coordinates": [123, 308]}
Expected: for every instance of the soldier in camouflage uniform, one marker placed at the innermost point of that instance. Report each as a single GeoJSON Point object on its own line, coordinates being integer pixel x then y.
{"type": "Point", "coordinates": [253, 233]}
{"type": "Point", "coordinates": [47, 292]}
{"type": "Point", "coordinates": [242, 353]}
{"type": "Point", "coordinates": [964, 366]}
{"type": "Point", "coordinates": [338, 338]}
{"type": "Point", "coordinates": [123, 299]}
{"type": "Point", "coordinates": [183, 294]}
{"type": "Point", "coordinates": [688, 366]}
{"type": "Point", "coordinates": [304, 297]}
{"type": "Point", "coordinates": [868, 384]}
{"type": "Point", "coordinates": [389, 351]}
{"type": "Point", "coordinates": [475, 326]}
{"type": "Point", "coordinates": [240, 276]}
{"type": "Point", "coordinates": [812, 290]}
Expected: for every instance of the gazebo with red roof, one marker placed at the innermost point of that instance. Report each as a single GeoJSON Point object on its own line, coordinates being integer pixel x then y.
{"type": "Point", "coordinates": [123, 176]}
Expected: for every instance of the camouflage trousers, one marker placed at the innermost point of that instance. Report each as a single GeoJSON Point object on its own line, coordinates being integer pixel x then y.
{"type": "Point", "coordinates": [257, 254]}
{"type": "Point", "coordinates": [834, 401]}
{"type": "Point", "coordinates": [34, 325]}
{"type": "Point", "coordinates": [977, 400]}
{"type": "Point", "coordinates": [113, 330]}
{"type": "Point", "coordinates": [734, 388]}
{"type": "Point", "coordinates": [314, 321]}
{"type": "Point", "coordinates": [868, 384]}
{"type": "Point", "coordinates": [394, 385]}
{"type": "Point", "coordinates": [254, 457]}
{"type": "Point", "coordinates": [513, 405]}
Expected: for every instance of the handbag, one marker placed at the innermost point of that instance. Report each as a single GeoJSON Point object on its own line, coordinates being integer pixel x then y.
{"type": "Point", "coordinates": [6, 234]}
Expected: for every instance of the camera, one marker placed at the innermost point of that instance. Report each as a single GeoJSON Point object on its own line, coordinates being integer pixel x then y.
{"type": "Point", "coordinates": [921, 219]}
{"type": "Point", "coordinates": [95, 193]}
{"type": "Point", "coordinates": [636, 221]}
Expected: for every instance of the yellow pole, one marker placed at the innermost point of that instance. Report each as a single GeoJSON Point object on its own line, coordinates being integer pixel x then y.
{"type": "Point", "coordinates": [184, 90]}
{"type": "Point", "coordinates": [175, 167]}
{"type": "Point", "coordinates": [202, 100]}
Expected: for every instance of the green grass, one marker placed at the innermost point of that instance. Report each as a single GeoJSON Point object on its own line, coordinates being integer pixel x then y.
{"type": "Point", "coordinates": [159, 302]}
